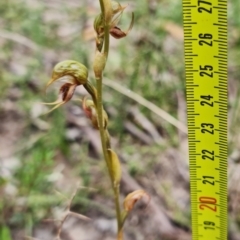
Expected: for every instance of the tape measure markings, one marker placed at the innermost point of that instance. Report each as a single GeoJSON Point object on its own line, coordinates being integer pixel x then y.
{"type": "Point", "coordinates": [205, 44]}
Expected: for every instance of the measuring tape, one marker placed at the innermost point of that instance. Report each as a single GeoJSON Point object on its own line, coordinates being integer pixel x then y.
{"type": "Point", "coordinates": [205, 43]}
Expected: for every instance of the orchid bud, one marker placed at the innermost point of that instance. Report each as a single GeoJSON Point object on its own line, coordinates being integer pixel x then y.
{"type": "Point", "coordinates": [115, 167]}
{"type": "Point", "coordinates": [132, 198]}
{"type": "Point", "coordinates": [91, 112]}
{"type": "Point", "coordinates": [99, 64]}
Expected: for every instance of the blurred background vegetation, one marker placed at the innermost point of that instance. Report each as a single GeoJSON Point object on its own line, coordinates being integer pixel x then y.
{"type": "Point", "coordinates": [43, 158]}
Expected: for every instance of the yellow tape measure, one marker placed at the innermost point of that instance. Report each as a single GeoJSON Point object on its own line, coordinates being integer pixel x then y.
{"type": "Point", "coordinates": [205, 43]}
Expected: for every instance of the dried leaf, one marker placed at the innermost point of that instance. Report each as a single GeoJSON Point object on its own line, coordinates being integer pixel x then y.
{"type": "Point", "coordinates": [133, 197]}
{"type": "Point", "coordinates": [116, 170]}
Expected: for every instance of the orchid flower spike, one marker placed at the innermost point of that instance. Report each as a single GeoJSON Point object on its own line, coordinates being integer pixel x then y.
{"type": "Point", "coordinates": [74, 74]}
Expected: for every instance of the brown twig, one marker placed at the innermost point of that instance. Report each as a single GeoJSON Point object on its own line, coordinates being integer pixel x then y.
{"type": "Point", "coordinates": [69, 212]}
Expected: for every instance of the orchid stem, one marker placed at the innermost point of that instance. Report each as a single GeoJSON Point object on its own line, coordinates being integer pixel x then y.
{"type": "Point", "coordinates": [105, 139]}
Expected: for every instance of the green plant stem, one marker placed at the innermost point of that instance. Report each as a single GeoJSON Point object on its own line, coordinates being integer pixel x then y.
{"type": "Point", "coordinates": [92, 91]}
{"type": "Point", "coordinates": [105, 139]}
{"type": "Point", "coordinates": [120, 234]}
{"type": "Point", "coordinates": [100, 120]}
{"type": "Point", "coordinates": [118, 209]}
{"type": "Point", "coordinates": [106, 31]}
{"type": "Point", "coordinates": [102, 6]}
{"type": "Point", "coordinates": [106, 40]}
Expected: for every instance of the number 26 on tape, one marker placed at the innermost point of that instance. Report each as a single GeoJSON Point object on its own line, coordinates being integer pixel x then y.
{"type": "Point", "coordinates": [205, 203]}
